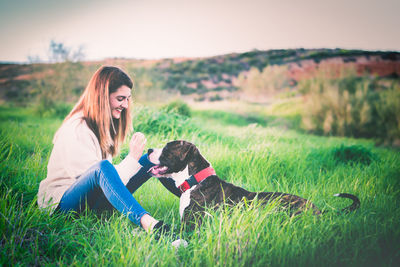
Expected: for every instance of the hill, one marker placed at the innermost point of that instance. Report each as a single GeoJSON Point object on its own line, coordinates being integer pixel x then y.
{"type": "Point", "coordinates": [197, 76]}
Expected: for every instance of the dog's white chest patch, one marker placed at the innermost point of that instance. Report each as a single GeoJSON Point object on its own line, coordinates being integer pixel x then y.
{"type": "Point", "coordinates": [179, 178]}
{"type": "Point", "coordinates": [184, 201]}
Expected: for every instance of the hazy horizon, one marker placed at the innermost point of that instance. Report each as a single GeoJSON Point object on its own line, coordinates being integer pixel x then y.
{"type": "Point", "coordinates": [162, 29]}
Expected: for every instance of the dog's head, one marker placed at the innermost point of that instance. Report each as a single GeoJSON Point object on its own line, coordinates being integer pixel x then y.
{"type": "Point", "coordinates": [175, 157]}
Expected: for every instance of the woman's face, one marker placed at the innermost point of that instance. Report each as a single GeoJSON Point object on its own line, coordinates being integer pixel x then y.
{"type": "Point", "coordinates": [119, 100]}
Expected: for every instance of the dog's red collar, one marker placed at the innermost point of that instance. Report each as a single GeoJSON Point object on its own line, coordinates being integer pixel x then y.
{"type": "Point", "coordinates": [197, 178]}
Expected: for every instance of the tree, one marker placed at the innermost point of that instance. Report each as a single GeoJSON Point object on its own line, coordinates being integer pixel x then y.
{"type": "Point", "coordinates": [59, 53]}
{"type": "Point", "coordinates": [65, 80]}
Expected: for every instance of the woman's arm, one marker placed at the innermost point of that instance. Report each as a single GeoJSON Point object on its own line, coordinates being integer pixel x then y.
{"type": "Point", "coordinates": [130, 165]}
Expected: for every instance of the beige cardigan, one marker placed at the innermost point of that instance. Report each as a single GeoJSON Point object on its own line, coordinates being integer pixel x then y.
{"type": "Point", "coordinates": [76, 149]}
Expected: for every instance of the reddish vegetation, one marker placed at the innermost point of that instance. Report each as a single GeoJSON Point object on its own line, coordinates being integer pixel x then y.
{"type": "Point", "coordinates": [373, 65]}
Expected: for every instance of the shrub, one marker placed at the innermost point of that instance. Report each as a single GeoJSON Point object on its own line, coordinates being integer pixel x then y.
{"type": "Point", "coordinates": [216, 97]}
{"type": "Point", "coordinates": [150, 121]}
{"type": "Point", "coordinates": [179, 107]}
{"type": "Point", "coordinates": [349, 105]}
{"type": "Point", "coordinates": [48, 108]}
{"type": "Point", "coordinates": [269, 80]}
{"type": "Point", "coordinates": [388, 113]}
{"type": "Point", "coordinates": [353, 154]}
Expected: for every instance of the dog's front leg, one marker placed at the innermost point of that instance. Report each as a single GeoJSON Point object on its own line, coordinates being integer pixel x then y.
{"type": "Point", "coordinates": [193, 216]}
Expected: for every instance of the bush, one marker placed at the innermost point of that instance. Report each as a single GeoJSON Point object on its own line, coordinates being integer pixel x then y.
{"type": "Point", "coordinates": [150, 121]}
{"type": "Point", "coordinates": [270, 80]}
{"type": "Point", "coordinates": [353, 154]}
{"type": "Point", "coordinates": [48, 108]}
{"type": "Point", "coordinates": [388, 113]}
{"type": "Point", "coordinates": [179, 107]}
{"type": "Point", "coordinates": [351, 106]}
{"type": "Point", "coordinates": [216, 97]}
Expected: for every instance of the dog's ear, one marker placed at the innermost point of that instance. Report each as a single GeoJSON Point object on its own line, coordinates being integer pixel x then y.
{"type": "Point", "coordinates": [188, 152]}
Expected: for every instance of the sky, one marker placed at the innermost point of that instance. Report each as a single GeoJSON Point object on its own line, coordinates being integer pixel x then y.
{"type": "Point", "coordinates": [152, 29]}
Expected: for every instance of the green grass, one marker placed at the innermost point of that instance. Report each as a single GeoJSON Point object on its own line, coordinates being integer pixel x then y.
{"type": "Point", "coordinates": [248, 153]}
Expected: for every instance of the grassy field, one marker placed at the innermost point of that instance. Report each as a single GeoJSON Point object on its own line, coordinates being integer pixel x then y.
{"type": "Point", "coordinates": [252, 150]}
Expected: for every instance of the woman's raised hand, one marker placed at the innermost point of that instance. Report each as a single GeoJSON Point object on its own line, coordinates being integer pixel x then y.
{"type": "Point", "coordinates": [136, 145]}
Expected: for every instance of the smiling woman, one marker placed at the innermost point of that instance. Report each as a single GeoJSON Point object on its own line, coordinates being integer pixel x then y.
{"type": "Point", "coordinates": [80, 174]}
{"type": "Point", "coordinates": [119, 101]}
{"type": "Point", "coordinates": [102, 108]}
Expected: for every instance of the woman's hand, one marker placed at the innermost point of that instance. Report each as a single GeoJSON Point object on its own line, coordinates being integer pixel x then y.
{"type": "Point", "coordinates": [136, 145]}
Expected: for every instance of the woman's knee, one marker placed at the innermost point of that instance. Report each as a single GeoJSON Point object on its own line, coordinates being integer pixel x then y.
{"type": "Point", "coordinates": [105, 164]}
{"type": "Point", "coordinates": [107, 170]}
{"type": "Point", "coordinates": [101, 165]}
{"type": "Point", "coordinates": [103, 168]}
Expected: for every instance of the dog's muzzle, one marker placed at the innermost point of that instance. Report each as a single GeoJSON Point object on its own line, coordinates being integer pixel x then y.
{"type": "Point", "coordinates": [158, 171]}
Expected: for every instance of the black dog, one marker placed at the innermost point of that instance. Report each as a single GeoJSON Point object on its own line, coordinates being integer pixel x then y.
{"type": "Point", "coordinates": [200, 187]}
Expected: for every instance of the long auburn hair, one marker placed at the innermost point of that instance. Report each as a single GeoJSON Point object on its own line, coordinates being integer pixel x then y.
{"type": "Point", "coordinates": [95, 106]}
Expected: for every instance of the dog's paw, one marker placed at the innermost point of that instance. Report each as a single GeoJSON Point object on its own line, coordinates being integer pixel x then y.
{"type": "Point", "coordinates": [180, 243]}
{"type": "Point", "coordinates": [162, 229]}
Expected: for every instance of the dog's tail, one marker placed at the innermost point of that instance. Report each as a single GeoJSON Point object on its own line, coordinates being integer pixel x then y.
{"type": "Point", "coordinates": [355, 205]}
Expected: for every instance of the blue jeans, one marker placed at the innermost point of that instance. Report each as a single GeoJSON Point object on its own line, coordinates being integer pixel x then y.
{"type": "Point", "coordinates": [100, 188]}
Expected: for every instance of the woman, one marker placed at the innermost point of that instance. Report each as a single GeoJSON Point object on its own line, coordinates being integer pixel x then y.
{"type": "Point", "coordinates": [80, 173]}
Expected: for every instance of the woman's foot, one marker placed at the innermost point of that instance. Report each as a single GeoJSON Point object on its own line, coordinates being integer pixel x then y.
{"type": "Point", "coordinates": [159, 228]}
{"type": "Point", "coordinates": [148, 222]}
